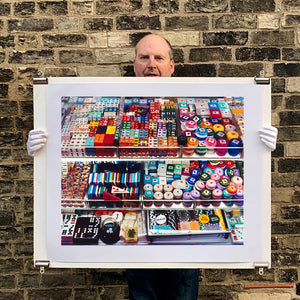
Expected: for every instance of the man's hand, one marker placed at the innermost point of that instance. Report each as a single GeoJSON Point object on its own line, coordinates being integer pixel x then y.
{"type": "Point", "coordinates": [36, 140]}
{"type": "Point", "coordinates": [268, 135]}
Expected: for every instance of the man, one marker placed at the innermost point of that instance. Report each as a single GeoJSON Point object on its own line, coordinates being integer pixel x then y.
{"type": "Point", "coordinates": [154, 58]}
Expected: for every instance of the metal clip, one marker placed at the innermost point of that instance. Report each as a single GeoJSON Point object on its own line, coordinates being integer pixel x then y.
{"type": "Point", "coordinates": [40, 80]}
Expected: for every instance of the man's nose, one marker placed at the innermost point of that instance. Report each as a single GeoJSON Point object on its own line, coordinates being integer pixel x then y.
{"type": "Point", "coordinates": [151, 62]}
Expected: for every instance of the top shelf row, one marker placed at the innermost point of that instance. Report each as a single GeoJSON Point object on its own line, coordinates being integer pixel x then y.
{"type": "Point", "coordinates": [173, 127]}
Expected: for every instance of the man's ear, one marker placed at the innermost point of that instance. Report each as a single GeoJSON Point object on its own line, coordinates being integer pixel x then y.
{"type": "Point", "coordinates": [172, 66]}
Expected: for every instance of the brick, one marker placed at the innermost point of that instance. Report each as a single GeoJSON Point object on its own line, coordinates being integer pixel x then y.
{"type": "Point", "coordinates": [27, 280]}
{"type": "Point", "coordinates": [5, 154]}
{"type": "Point", "coordinates": [287, 275]}
{"type": "Point", "coordinates": [7, 282]}
{"type": "Point", "coordinates": [127, 71]}
{"type": "Point", "coordinates": [257, 54]}
{"type": "Point", "coordinates": [98, 40]}
{"type": "Point", "coordinates": [276, 101]}
{"type": "Point", "coordinates": [24, 9]}
{"type": "Point", "coordinates": [24, 123]}
{"type": "Point", "coordinates": [8, 138]}
{"type": "Point", "coordinates": [138, 22]}
{"type": "Point", "coordinates": [178, 55]}
{"type": "Point", "coordinates": [103, 277]}
{"type": "Point", "coordinates": [293, 149]}
{"type": "Point", "coordinates": [59, 280]}
{"type": "Point", "coordinates": [290, 54]}
{"type": "Point", "coordinates": [265, 296]}
{"type": "Point", "coordinates": [291, 20]}
{"type": "Point", "coordinates": [26, 171]}
{"type": "Point", "coordinates": [116, 6]}
{"type": "Point", "coordinates": [287, 69]}
{"type": "Point", "coordinates": [6, 218]}
{"type": "Point", "coordinates": [59, 72]}
{"type": "Point", "coordinates": [279, 151]}
{"type": "Point", "coordinates": [274, 243]}
{"type": "Point", "coordinates": [6, 75]}
{"type": "Point", "coordinates": [187, 23]}
{"type": "Point", "coordinates": [252, 6]}
{"type": "Point", "coordinates": [95, 24]}
{"type": "Point", "coordinates": [22, 25]}
{"type": "Point", "coordinates": [164, 6]}
{"type": "Point", "coordinates": [9, 172]}
{"type": "Point", "coordinates": [27, 41]}
{"type": "Point", "coordinates": [53, 294]}
{"type": "Point", "coordinates": [7, 41]}
{"type": "Point", "coordinates": [225, 38]}
{"type": "Point", "coordinates": [292, 85]}
{"type": "Point", "coordinates": [195, 70]}
{"type": "Point", "coordinates": [290, 243]}
{"type": "Point", "coordinates": [25, 91]}
{"type": "Point", "coordinates": [289, 118]}
{"type": "Point", "coordinates": [90, 293]}
{"type": "Point", "coordinates": [4, 9]}
{"type": "Point", "coordinates": [67, 25]}
{"type": "Point", "coordinates": [209, 54]}
{"type": "Point", "coordinates": [28, 232]}
{"type": "Point", "coordinates": [268, 21]}
{"type": "Point", "coordinates": [82, 8]}
{"type": "Point", "coordinates": [285, 227]}
{"type": "Point", "coordinates": [242, 70]}
{"type": "Point", "coordinates": [64, 40]}
{"type": "Point", "coordinates": [136, 36]}
{"type": "Point", "coordinates": [32, 57]}
{"type": "Point", "coordinates": [8, 107]}
{"type": "Point", "coordinates": [7, 234]}
{"type": "Point", "coordinates": [23, 249]}
{"type": "Point", "coordinates": [215, 275]}
{"type": "Point", "coordinates": [12, 295]}
{"type": "Point", "coordinates": [3, 90]}
{"type": "Point", "coordinates": [284, 259]}
{"type": "Point", "coordinates": [273, 38]}
{"type": "Point", "coordinates": [249, 275]}
{"type": "Point", "coordinates": [96, 71]}
{"type": "Point", "coordinates": [116, 56]}
{"type": "Point", "coordinates": [234, 21]}
{"type": "Point", "coordinates": [24, 186]}
{"type": "Point", "coordinates": [2, 57]}
{"type": "Point", "coordinates": [115, 292]}
{"type": "Point", "coordinates": [290, 212]}
{"type": "Point", "coordinates": [117, 39]}
{"type": "Point", "coordinates": [21, 155]}
{"type": "Point", "coordinates": [25, 74]}
{"type": "Point", "coordinates": [5, 250]}
{"type": "Point", "coordinates": [288, 165]}
{"type": "Point", "coordinates": [11, 265]}
{"type": "Point", "coordinates": [53, 8]}
{"type": "Point", "coordinates": [183, 38]}
{"type": "Point", "coordinates": [298, 289]}
{"type": "Point", "coordinates": [278, 85]}
{"type": "Point", "coordinates": [76, 56]}
{"type": "Point", "coordinates": [285, 179]}
{"type": "Point", "coordinates": [288, 134]}
{"type": "Point", "coordinates": [196, 6]}
{"type": "Point", "coordinates": [291, 5]}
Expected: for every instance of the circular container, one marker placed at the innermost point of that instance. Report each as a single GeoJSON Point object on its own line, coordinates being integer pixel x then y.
{"type": "Point", "coordinates": [211, 143]}
{"type": "Point", "coordinates": [177, 194]}
{"type": "Point", "coordinates": [210, 184]}
{"type": "Point", "coordinates": [197, 119]}
{"type": "Point", "coordinates": [158, 197]}
{"type": "Point", "coordinates": [223, 183]}
{"type": "Point", "coordinates": [235, 147]}
{"type": "Point", "coordinates": [206, 124]}
{"type": "Point", "coordinates": [191, 180]}
{"type": "Point", "coordinates": [191, 125]}
{"type": "Point", "coordinates": [208, 171]}
{"type": "Point", "coordinates": [231, 189]}
{"type": "Point", "coordinates": [199, 185]}
{"type": "Point", "coordinates": [204, 176]}
{"type": "Point", "coordinates": [229, 172]}
{"type": "Point", "coordinates": [215, 176]}
{"type": "Point", "coordinates": [168, 196]}
{"type": "Point", "coordinates": [192, 143]}
{"type": "Point", "coordinates": [222, 147]}
{"type": "Point", "coordinates": [237, 180]}
{"type": "Point", "coordinates": [229, 127]}
{"type": "Point", "coordinates": [201, 149]}
{"type": "Point", "coordinates": [201, 134]}
{"type": "Point", "coordinates": [148, 196]}
{"type": "Point", "coordinates": [168, 188]}
{"type": "Point", "coordinates": [187, 196]}
{"type": "Point", "coordinates": [216, 194]}
{"type": "Point", "coordinates": [232, 135]}
{"type": "Point", "coordinates": [195, 173]}
{"type": "Point", "coordinates": [205, 195]}
{"type": "Point", "coordinates": [219, 171]}
{"type": "Point", "coordinates": [218, 127]}
{"type": "Point", "coordinates": [148, 187]}
{"type": "Point", "coordinates": [187, 188]}
{"type": "Point", "coordinates": [158, 188]}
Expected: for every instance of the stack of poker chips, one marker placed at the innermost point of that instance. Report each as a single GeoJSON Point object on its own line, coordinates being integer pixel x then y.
{"type": "Point", "coordinates": [215, 125]}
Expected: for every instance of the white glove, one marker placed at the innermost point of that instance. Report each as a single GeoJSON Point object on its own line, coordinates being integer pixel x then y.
{"type": "Point", "coordinates": [268, 135]}
{"type": "Point", "coordinates": [36, 140]}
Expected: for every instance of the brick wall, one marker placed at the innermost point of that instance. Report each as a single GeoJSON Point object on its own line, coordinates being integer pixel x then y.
{"type": "Point", "coordinates": [95, 38]}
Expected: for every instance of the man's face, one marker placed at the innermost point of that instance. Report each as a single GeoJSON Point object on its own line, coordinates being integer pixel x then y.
{"type": "Point", "coordinates": [152, 58]}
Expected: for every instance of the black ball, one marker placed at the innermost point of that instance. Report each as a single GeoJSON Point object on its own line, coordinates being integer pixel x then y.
{"type": "Point", "coordinates": [182, 140]}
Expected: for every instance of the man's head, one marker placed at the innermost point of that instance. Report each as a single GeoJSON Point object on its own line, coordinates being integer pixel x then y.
{"type": "Point", "coordinates": [153, 57]}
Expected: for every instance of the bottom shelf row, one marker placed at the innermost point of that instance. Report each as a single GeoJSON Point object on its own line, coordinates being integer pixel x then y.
{"type": "Point", "coordinates": [121, 227]}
